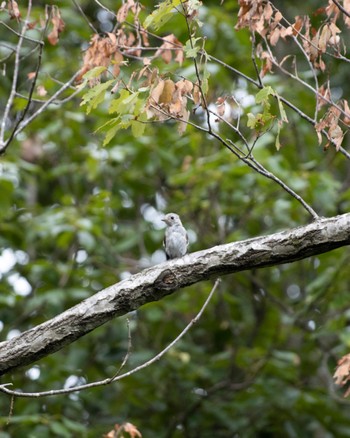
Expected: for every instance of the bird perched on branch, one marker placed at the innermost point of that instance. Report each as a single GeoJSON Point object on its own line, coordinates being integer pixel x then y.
{"type": "Point", "coordinates": [176, 238]}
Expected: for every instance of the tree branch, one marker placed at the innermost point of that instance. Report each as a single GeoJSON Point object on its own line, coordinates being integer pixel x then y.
{"type": "Point", "coordinates": [156, 282]}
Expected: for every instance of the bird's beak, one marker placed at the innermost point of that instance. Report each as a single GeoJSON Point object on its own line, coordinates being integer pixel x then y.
{"type": "Point", "coordinates": [164, 220]}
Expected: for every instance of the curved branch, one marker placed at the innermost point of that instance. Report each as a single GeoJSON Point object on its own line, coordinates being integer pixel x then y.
{"type": "Point", "coordinates": [154, 283]}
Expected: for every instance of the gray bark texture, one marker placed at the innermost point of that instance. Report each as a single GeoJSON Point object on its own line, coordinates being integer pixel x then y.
{"type": "Point", "coordinates": [154, 283]}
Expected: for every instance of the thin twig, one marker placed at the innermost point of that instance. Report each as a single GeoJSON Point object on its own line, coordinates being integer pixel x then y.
{"type": "Point", "coordinates": [14, 79]}
{"type": "Point", "coordinates": [31, 91]}
{"type": "Point", "coordinates": [202, 94]}
{"type": "Point", "coordinates": [32, 40]}
{"type": "Point", "coordinates": [47, 103]}
{"type": "Point", "coordinates": [92, 27]}
{"type": "Point", "coordinates": [128, 351]}
{"type": "Point", "coordinates": [3, 387]}
{"type": "Point", "coordinates": [344, 11]}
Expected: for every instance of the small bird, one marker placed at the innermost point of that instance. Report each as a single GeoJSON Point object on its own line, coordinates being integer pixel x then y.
{"type": "Point", "coordinates": [176, 238]}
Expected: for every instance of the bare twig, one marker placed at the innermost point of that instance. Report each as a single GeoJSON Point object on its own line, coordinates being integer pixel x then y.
{"type": "Point", "coordinates": [14, 79]}
{"type": "Point", "coordinates": [31, 91]}
{"type": "Point", "coordinates": [92, 27]}
{"type": "Point", "coordinates": [115, 378]}
{"type": "Point", "coordinates": [32, 40]}
{"type": "Point", "coordinates": [128, 351]}
{"type": "Point", "coordinates": [47, 103]}
{"type": "Point", "coordinates": [344, 11]}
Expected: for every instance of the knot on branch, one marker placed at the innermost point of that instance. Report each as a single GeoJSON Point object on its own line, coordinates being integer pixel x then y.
{"type": "Point", "coordinates": [166, 280]}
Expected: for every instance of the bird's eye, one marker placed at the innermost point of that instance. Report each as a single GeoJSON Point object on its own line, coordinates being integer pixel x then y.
{"type": "Point", "coordinates": [172, 217]}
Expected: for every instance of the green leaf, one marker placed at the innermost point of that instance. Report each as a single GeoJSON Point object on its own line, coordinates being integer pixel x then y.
{"type": "Point", "coordinates": [190, 48]}
{"type": "Point", "coordinates": [137, 126]}
{"type": "Point", "coordinates": [263, 95]}
{"type": "Point", "coordinates": [121, 105]}
{"type": "Point", "coordinates": [282, 110]}
{"type": "Point", "coordinates": [205, 79]}
{"type": "Point", "coordinates": [277, 142]}
{"type": "Point", "coordinates": [95, 95]}
{"type": "Point", "coordinates": [251, 121]}
{"type": "Point", "coordinates": [162, 14]}
{"type": "Point", "coordinates": [94, 72]}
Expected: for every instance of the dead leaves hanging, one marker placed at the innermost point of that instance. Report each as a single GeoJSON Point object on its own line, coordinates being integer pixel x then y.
{"type": "Point", "coordinates": [168, 99]}
{"type": "Point", "coordinates": [58, 26]}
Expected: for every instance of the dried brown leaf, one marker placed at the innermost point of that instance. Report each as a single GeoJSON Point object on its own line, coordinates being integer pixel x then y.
{"type": "Point", "coordinates": [275, 36]}
{"type": "Point", "coordinates": [196, 94]}
{"type": "Point", "coordinates": [122, 13]}
{"type": "Point", "coordinates": [324, 91]}
{"type": "Point", "coordinates": [336, 134]}
{"type": "Point", "coordinates": [346, 6]}
{"type": "Point", "coordinates": [170, 45]}
{"type": "Point", "coordinates": [297, 26]}
{"type": "Point", "coordinates": [13, 9]}
{"type": "Point", "coordinates": [118, 59]}
{"type": "Point", "coordinates": [324, 38]}
{"type": "Point", "coordinates": [58, 26]}
{"type": "Point", "coordinates": [119, 429]}
{"type": "Point", "coordinates": [157, 91]}
{"type": "Point", "coordinates": [41, 90]}
{"type": "Point", "coordinates": [221, 106]}
{"type": "Point", "coordinates": [132, 430]}
{"type": "Point", "coordinates": [287, 31]}
{"type": "Point", "coordinates": [184, 86]}
{"type": "Point", "coordinates": [332, 9]}
{"type": "Point", "coordinates": [342, 372]}
{"type": "Point", "coordinates": [167, 92]}
{"type": "Point", "coordinates": [346, 119]}
{"type": "Point", "coordinates": [278, 17]}
{"type": "Point", "coordinates": [144, 36]}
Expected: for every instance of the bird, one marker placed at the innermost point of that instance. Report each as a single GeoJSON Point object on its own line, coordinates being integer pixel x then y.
{"type": "Point", "coordinates": [176, 239]}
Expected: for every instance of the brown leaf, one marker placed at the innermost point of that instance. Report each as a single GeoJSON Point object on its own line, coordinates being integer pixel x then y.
{"type": "Point", "coordinates": [31, 75]}
{"type": "Point", "coordinates": [332, 9]}
{"type": "Point", "coordinates": [144, 36]}
{"type": "Point", "coordinates": [330, 120]}
{"type": "Point", "coordinates": [346, 6]}
{"type": "Point", "coordinates": [117, 61]}
{"type": "Point", "coordinates": [221, 106]}
{"type": "Point", "coordinates": [324, 38]}
{"type": "Point", "coordinates": [275, 36]}
{"type": "Point", "coordinates": [132, 430]}
{"type": "Point", "coordinates": [287, 31]}
{"type": "Point", "coordinates": [58, 26]}
{"type": "Point", "coordinates": [119, 429]}
{"type": "Point", "coordinates": [41, 90]}
{"type": "Point", "coordinates": [324, 91]}
{"type": "Point", "coordinates": [182, 124]}
{"type": "Point", "coordinates": [125, 8]}
{"type": "Point", "coordinates": [278, 17]}
{"type": "Point", "coordinates": [297, 26]}
{"type": "Point", "coordinates": [196, 94]}
{"type": "Point", "coordinates": [13, 9]}
{"type": "Point", "coordinates": [336, 134]}
{"type": "Point", "coordinates": [122, 13]}
{"type": "Point", "coordinates": [342, 372]}
{"type": "Point", "coordinates": [170, 45]}
{"type": "Point", "coordinates": [346, 118]}
{"type": "Point", "coordinates": [157, 91]}
{"type": "Point", "coordinates": [184, 86]}
{"type": "Point", "coordinates": [167, 92]}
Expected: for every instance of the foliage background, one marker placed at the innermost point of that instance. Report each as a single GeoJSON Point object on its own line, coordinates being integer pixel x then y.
{"type": "Point", "coordinates": [76, 217]}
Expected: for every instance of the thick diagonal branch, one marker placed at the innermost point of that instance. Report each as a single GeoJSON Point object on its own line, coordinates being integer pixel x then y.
{"type": "Point", "coordinates": [156, 282]}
